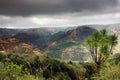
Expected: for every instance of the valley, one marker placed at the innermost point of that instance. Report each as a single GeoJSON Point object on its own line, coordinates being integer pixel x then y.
{"type": "Point", "coordinates": [62, 43]}
{"type": "Point", "coordinates": [53, 53]}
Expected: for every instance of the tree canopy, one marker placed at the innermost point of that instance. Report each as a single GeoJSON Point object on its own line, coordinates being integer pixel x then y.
{"type": "Point", "coordinates": [101, 45]}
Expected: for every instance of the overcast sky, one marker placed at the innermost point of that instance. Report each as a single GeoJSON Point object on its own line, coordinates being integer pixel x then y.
{"type": "Point", "coordinates": [57, 13]}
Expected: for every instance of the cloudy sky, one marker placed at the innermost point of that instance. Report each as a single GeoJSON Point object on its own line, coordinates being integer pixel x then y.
{"type": "Point", "coordinates": [57, 13]}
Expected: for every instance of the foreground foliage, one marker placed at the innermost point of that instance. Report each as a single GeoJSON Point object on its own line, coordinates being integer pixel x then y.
{"type": "Point", "coordinates": [110, 70]}
{"type": "Point", "coordinates": [32, 67]}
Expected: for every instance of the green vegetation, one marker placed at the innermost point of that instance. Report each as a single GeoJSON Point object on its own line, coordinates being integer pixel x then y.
{"type": "Point", "coordinates": [110, 70]}
{"type": "Point", "coordinates": [17, 66]}
{"type": "Point", "coordinates": [31, 67]}
{"type": "Point", "coordinates": [101, 45]}
{"type": "Point", "coordinates": [68, 50]}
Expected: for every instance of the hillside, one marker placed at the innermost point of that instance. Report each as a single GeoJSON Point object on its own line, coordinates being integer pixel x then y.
{"type": "Point", "coordinates": [37, 37]}
{"type": "Point", "coordinates": [69, 45]}
{"type": "Point", "coordinates": [58, 43]}
{"type": "Point", "coordinates": [63, 43]}
{"type": "Point", "coordinates": [13, 45]}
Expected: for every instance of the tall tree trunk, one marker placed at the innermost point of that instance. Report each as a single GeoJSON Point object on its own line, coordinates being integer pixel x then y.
{"type": "Point", "coordinates": [96, 54]}
{"type": "Point", "coordinates": [98, 65]}
{"type": "Point", "coordinates": [111, 49]}
{"type": "Point", "coordinates": [92, 50]}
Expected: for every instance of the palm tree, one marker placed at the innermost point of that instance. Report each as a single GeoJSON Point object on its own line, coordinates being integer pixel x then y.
{"type": "Point", "coordinates": [103, 32]}
{"type": "Point", "coordinates": [112, 42]}
{"type": "Point", "coordinates": [101, 44]}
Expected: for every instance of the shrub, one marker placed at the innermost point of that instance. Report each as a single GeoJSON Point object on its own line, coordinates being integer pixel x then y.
{"type": "Point", "coordinates": [3, 56]}
{"type": "Point", "coordinates": [10, 71]}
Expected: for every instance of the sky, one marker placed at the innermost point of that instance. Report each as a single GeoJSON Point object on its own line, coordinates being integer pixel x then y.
{"type": "Point", "coordinates": [57, 13]}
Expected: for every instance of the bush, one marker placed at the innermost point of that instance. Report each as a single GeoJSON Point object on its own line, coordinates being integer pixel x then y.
{"type": "Point", "coordinates": [32, 67]}
{"type": "Point", "coordinates": [108, 72]}
{"type": "Point", "coordinates": [3, 56]}
{"type": "Point", "coordinates": [10, 71]}
{"type": "Point", "coordinates": [115, 59]}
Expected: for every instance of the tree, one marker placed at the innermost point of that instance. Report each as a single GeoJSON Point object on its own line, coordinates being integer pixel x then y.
{"type": "Point", "coordinates": [101, 45]}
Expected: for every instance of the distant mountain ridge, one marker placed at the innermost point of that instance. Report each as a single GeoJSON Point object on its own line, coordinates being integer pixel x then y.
{"type": "Point", "coordinates": [32, 36]}
{"type": "Point", "coordinates": [55, 42]}
{"type": "Point", "coordinates": [63, 43]}
{"type": "Point", "coordinates": [68, 45]}
{"type": "Point", "coordinates": [40, 37]}
{"type": "Point", "coordinates": [6, 33]}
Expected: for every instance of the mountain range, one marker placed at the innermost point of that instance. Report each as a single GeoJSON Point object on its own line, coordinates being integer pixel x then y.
{"type": "Point", "coordinates": [63, 43]}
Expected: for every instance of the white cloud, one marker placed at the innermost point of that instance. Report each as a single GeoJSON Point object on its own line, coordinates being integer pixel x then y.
{"type": "Point", "coordinates": [57, 20]}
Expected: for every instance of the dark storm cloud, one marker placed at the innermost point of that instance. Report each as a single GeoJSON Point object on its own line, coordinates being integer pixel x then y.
{"type": "Point", "coordinates": [31, 7]}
